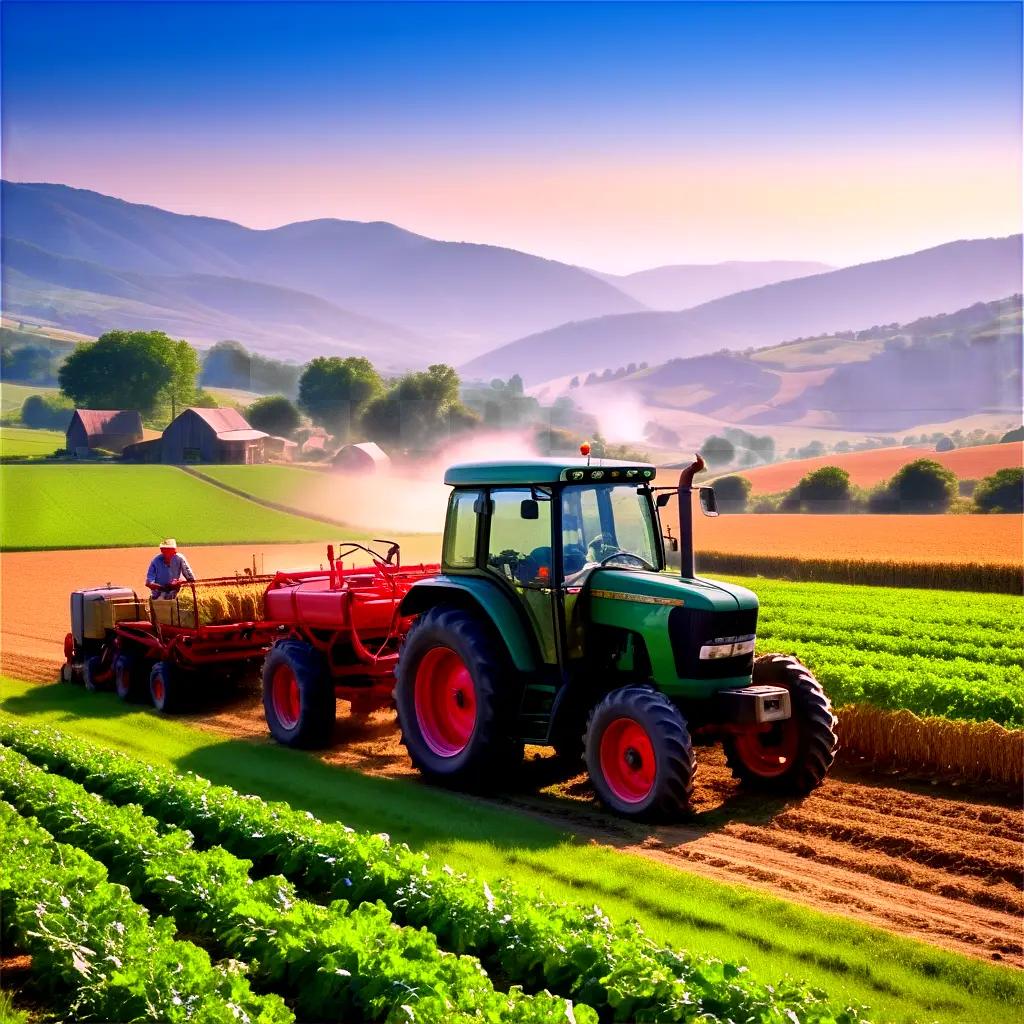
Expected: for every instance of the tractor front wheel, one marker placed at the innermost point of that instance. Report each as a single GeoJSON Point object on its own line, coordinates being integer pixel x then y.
{"type": "Point", "coordinates": [167, 688]}
{"type": "Point", "coordinates": [792, 756]}
{"type": "Point", "coordinates": [129, 681]}
{"type": "Point", "coordinates": [455, 697]}
{"type": "Point", "coordinates": [639, 754]}
{"type": "Point", "coordinates": [298, 696]}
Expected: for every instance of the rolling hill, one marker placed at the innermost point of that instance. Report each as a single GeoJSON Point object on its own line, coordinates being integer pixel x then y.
{"type": "Point", "coordinates": [462, 297]}
{"type": "Point", "coordinates": [938, 280]}
{"type": "Point", "coordinates": [686, 285]}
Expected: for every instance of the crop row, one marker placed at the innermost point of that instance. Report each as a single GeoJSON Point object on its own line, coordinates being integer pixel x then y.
{"type": "Point", "coordinates": [574, 951]}
{"type": "Point", "coordinates": [336, 963]}
{"type": "Point", "coordinates": [97, 950]}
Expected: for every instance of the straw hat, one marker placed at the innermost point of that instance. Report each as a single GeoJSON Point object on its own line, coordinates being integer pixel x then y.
{"type": "Point", "coordinates": [170, 542]}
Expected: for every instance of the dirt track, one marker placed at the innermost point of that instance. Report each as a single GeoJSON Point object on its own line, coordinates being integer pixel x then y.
{"type": "Point", "coordinates": [920, 860]}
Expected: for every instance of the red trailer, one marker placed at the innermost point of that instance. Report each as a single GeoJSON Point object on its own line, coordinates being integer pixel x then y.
{"type": "Point", "coordinates": [341, 623]}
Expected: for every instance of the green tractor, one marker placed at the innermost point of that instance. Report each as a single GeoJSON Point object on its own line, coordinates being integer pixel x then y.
{"type": "Point", "coordinates": [554, 622]}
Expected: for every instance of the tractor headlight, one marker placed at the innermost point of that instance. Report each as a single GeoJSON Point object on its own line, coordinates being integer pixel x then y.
{"type": "Point", "coordinates": [727, 647]}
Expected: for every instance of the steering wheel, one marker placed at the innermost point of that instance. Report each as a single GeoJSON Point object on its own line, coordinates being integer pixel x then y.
{"type": "Point", "coordinates": [627, 556]}
{"type": "Point", "coordinates": [598, 543]}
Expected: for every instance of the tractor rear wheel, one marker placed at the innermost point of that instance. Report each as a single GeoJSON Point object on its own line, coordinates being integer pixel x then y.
{"type": "Point", "coordinates": [455, 698]}
{"type": "Point", "coordinates": [794, 756]}
{"type": "Point", "coordinates": [639, 754]}
{"type": "Point", "coordinates": [168, 688]}
{"type": "Point", "coordinates": [91, 671]}
{"type": "Point", "coordinates": [129, 679]}
{"type": "Point", "coordinates": [298, 696]}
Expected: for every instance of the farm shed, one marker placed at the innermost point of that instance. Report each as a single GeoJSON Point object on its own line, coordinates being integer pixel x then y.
{"type": "Point", "coordinates": [212, 435]}
{"type": "Point", "coordinates": [365, 457]}
{"type": "Point", "coordinates": [143, 451]}
{"type": "Point", "coordinates": [110, 429]}
{"type": "Point", "coordinates": [280, 448]}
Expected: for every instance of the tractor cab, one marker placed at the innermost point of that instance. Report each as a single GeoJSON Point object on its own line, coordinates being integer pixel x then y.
{"type": "Point", "coordinates": [552, 604]}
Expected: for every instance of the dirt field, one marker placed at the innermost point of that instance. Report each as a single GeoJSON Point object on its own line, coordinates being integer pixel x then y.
{"type": "Point", "coordinates": [991, 538]}
{"type": "Point", "coordinates": [869, 468]}
{"type": "Point", "coordinates": [924, 861]}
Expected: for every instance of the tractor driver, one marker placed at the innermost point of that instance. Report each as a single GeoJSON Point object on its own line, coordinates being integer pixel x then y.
{"type": "Point", "coordinates": [167, 570]}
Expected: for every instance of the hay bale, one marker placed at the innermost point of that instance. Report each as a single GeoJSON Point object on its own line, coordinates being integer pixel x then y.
{"type": "Point", "coordinates": [240, 601]}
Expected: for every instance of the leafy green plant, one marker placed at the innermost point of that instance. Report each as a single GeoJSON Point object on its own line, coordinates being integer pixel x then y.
{"type": "Point", "coordinates": [336, 962]}
{"type": "Point", "coordinates": [99, 953]}
{"type": "Point", "coordinates": [574, 951]}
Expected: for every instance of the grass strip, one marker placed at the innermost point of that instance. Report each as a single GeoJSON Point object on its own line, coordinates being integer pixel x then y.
{"type": "Point", "coordinates": [337, 963]}
{"type": "Point", "coordinates": [96, 951]}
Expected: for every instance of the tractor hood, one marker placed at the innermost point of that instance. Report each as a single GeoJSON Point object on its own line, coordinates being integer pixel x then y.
{"type": "Point", "coordinates": [657, 588]}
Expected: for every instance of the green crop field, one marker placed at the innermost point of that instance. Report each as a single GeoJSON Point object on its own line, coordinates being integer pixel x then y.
{"type": "Point", "coordinates": [294, 486]}
{"type": "Point", "coordinates": [66, 506]}
{"type": "Point", "coordinates": [536, 924]}
{"type": "Point", "coordinates": [951, 654]}
{"type": "Point", "coordinates": [22, 441]}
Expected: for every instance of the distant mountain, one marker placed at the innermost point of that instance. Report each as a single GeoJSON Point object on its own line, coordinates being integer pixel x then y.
{"type": "Point", "coordinates": [879, 381]}
{"type": "Point", "coordinates": [945, 278]}
{"type": "Point", "coordinates": [92, 299]}
{"type": "Point", "coordinates": [686, 285]}
{"type": "Point", "coordinates": [463, 297]}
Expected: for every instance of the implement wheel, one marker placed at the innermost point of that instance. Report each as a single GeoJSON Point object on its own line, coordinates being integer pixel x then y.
{"type": "Point", "coordinates": [793, 756]}
{"type": "Point", "coordinates": [298, 696]}
{"type": "Point", "coordinates": [639, 754]}
{"type": "Point", "coordinates": [130, 679]}
{"type": "Point", "coordinates": [168, 688]}
{"type": "Point", "coordinates": [454, 700]}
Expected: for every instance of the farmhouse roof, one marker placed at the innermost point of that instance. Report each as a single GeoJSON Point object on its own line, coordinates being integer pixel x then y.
{"type": "Point", "coordinates": [368, 448]}
{"type": "Point", "coordinates": [241, 435]}
{"type": "Point", "coordinates": [221, 420]}
{"type": "Point", "coordinates": [109, 421]}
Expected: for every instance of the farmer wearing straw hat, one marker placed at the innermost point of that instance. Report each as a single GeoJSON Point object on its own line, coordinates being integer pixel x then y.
{"type": "Point", "coordinates": [167, 569]}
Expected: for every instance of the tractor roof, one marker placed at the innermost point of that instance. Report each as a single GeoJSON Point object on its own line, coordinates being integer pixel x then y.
{"type": "Point", "coordinates": [548, 471]}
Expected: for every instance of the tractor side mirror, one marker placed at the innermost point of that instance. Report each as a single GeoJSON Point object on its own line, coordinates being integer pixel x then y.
{"type": "Point", "coordinates": [664, 499]}
{"type": "Point", "coordinates": [708, 501]}
{"type": "Point", "coordinates": [529, 509]}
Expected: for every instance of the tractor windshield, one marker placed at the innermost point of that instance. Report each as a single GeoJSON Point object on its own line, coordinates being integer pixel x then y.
{"type": "Point", "coordinates": [608, 523]}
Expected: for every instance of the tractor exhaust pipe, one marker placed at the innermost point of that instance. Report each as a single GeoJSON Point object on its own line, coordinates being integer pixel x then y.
{"type": "Point", "coordinates": [685, 495]}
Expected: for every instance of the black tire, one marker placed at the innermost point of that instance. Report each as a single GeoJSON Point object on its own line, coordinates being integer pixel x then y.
{"type": "Point", "coordinates": [624, 730]}
{"type": "Point", "coordinates": [168, 688]}
{"type": "Point", "coordinates": [471, 749]}
{"type": "Point", "coordinates": [815, 742]}
{"type": "Point", "coordinates": [130, 679]}
{"type": "Point", "coordinates": [92, 668]}
{"type": "Point", "coordinates": [306, 719]}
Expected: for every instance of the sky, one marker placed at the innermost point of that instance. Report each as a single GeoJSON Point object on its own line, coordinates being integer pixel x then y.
{"type": "Point", "coordinates": [613, 136]}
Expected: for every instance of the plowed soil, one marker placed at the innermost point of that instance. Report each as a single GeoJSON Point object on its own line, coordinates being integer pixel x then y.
{"type": "Point", "coordinates": [926, 861]}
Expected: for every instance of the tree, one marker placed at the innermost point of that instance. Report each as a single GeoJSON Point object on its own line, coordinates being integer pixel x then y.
{"type": "Point", "coordinates": [575, 382]}
{"type": "Point", "coordinates": [1017, 434]}
{"type": "Point", "coordinates": [733, 493]}
{"type": "Point", "coordinates": [228, 364]}
{"type": "Point", "coordinates": [143, 370]}
{"type": "Point", "coordinates": [274, 414]}
{"type": "Point", "coordinates": [944, 444]}
{"type": "Point", "coordinates": [1003, 491]}
{"type": "Point", "coordinates": [46, 413]}
{"type": "Point", "coordinates": [718, 451]}
{"type": "Point", "coordinates": [918, 487]}
{"type": "Point", "coordinates": [824, 490]}
{"type": "Point", "coordinates": [660, 435]}
{"type": "Point", "coordinates": [335, 392]}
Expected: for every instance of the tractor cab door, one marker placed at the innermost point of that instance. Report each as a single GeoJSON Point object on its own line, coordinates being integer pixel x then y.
{"type": "Point", "coordinates": [519, 552]}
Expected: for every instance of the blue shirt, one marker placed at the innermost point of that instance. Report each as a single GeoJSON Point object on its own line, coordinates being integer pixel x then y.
{"type": "Point", "coordinates": [163, 573]}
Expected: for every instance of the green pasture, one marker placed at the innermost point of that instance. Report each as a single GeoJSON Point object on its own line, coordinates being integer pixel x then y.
{"type": "Point", "coordinates": [67, 506]}
{"type": "Point", "coordinates": [12, 396]}
{"type": "Point", "coordinates": [294, 486]}
{"type": "Point", "coordinates": [24, 441]}
{"type": "Point", "coordinates": [901, 980]}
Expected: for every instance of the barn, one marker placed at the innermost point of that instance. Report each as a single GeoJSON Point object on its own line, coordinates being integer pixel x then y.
{"type": "Point", "coordinates": [109, 429]}
{"type": "Point", "coordinates": [365, 457]}
{"type": "Point", "coordinates": [212, 435]}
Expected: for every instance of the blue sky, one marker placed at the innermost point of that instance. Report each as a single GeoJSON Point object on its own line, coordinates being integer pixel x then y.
{"type": "Point", "coordinates": [616, 135]}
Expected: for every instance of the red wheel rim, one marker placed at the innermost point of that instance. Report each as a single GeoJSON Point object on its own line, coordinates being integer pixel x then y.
{"type": "Point", "coordinates": [159, 689]}
{"type": "Point", "coordinates": [627, 760]}
{"type": "Point", "coordinates": [284, 692]}
{"type": "Point", "coordinates": [445, 700]}
{"type": "Point", "coordinates": [769, 754]}
{"type": "Point", "coordinates": [69, 646]}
